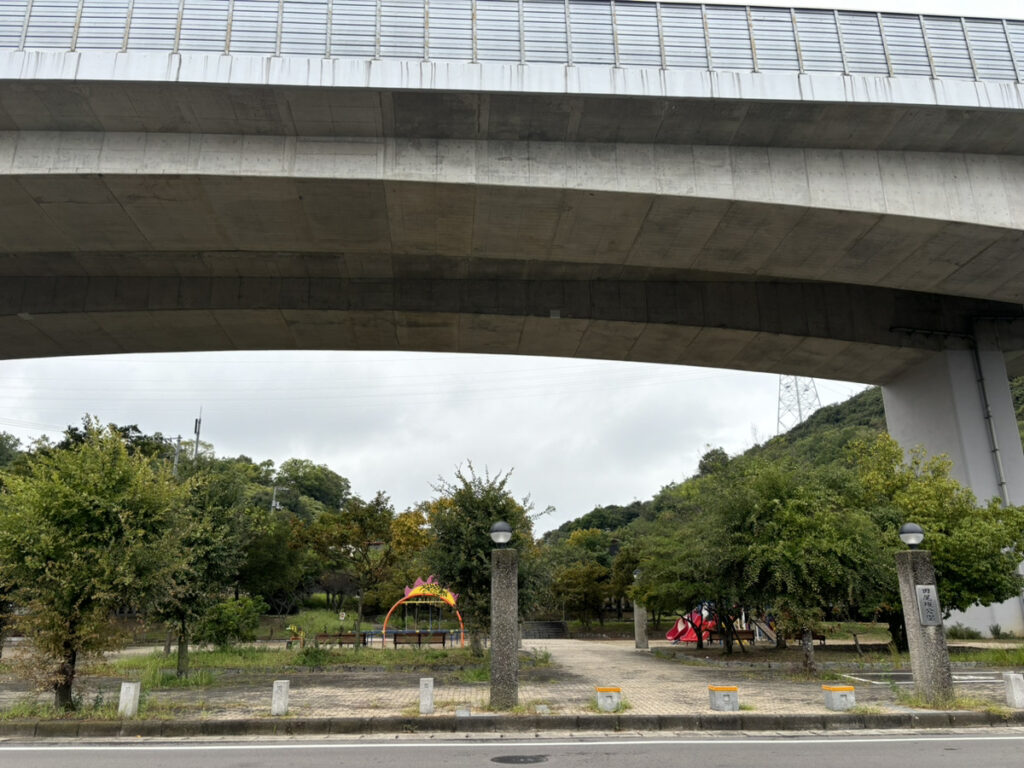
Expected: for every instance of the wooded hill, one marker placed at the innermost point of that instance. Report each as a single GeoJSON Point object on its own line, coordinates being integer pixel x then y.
{"type": "Point", "coordinates": [819, 440]}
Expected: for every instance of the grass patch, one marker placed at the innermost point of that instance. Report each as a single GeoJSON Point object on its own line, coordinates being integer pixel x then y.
{"type": "Point", "coordinates": [157, 678]}
{"type": "Point", "coordinates": [866, 631]}
{"type": "Point", "coordinates": [33, 709]}
{"type": "Point", "coordinates": [154, 665]}
{"type": "Point", "coordinates": [970, 703]}
{"type": "Point", "coordinates": [993, 657]}
{"type": "Point", "coordinates": [538, 658]}
{"type": "Point", "coordinates": [746, 707]}
{"type": "Point", "coordinates": [480, 674]}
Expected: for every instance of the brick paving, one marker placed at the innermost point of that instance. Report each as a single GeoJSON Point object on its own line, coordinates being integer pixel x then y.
{"type": "Point", "coordinates": [650, 686]}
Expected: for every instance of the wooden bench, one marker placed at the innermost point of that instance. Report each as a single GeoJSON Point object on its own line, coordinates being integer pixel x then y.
{"type": "Point", "coordinates": [746, 635]}
{"type": "Point", "coordinates": [799, 636]}
{"type": "Point", "coordinates": [341, 638]}
{"type": "Point", "coordinates": [419, 639]}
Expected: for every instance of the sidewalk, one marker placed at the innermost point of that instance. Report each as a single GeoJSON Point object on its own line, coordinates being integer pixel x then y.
{"type": "Point", "coordinates": [660, 695]}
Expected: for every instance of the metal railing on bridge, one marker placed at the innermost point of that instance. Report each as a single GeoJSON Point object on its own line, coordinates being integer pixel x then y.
{"type": "Point", "coordinates": [620, 33]}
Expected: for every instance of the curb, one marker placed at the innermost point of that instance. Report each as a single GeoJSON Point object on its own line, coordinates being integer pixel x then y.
{"type": "Point", "coordinates": [335, 726]}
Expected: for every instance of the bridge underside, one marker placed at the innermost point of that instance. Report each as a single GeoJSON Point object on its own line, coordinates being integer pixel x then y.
{"type": "Point", "coordinates": [810, 328]}
{"type": "Point", "coordinates": [796, 236]}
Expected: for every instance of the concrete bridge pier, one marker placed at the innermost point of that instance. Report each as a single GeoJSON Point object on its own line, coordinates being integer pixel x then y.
{"type": "Point", "coordinates": [959, 403]}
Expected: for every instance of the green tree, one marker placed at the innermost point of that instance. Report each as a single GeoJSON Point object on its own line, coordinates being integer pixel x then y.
{"type": "Point", "coordinates": [87, 529]}
{"type": "Point", "coordinates": [357, 542]}
{"type": "Point", "coordinates": [460, 544]}
{"type": "Point", "coordinates": [975, 549]}
{"type": "Point", "coordinates": [582, 573]}
{"type": "Point", "coordinates": [10, 449]}
{"type": "Point", "coordinates": [317, 481]}
{"type": "Point", "coordinates": [212, 532]}
{"type": "Point", "coordinates": [807, 553]}
{"type": "Point", "coordinates": [278, 566]}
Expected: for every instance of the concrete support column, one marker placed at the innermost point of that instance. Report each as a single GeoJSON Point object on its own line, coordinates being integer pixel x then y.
{"type": "Point", "coordinates": [922, 613]}
{"type": "Point", "coordinates": [504, 629]}
{"type": "Point", "coordinates": [640, 625]}
{"type": "Point", "coordinates": [959, 403]}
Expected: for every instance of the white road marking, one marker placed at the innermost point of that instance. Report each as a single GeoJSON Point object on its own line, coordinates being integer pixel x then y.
{"type": "Point", "coordinates": [794, 740]}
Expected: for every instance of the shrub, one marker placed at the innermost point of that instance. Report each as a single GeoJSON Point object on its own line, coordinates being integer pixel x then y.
{"type": "Point", "coordinates": [313, 656]}
{"type": "Point", "coordinates": [233, 621]}
{"type": "Point", "coordinates": [959, 632]}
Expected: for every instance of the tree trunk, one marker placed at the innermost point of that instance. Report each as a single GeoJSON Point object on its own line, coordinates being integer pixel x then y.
{"type": "Point", "coordinates": [182, 670]}
{"type": "Point", "coordinates": [62, 688]}
{"type": "Point", "coordinates": [808, 644]}
{"type": "Point", "coordinates": [897, 630]}
{"type": "Point", "coordinates": [168, 639]}
{"type": "Point", "coordinates": [726, 630]}
{"type": "Point", "coordinates": [476, 645]}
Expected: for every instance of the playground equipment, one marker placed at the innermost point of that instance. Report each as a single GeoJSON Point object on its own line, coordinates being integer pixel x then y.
{"type": "Point", "coordinates": [685, 628]}
{"type": "Point", "coordinates": [428, 591]}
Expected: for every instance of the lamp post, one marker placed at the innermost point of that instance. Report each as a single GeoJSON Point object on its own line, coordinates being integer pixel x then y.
{"type": "Point", "coordinates": [504, 620]}
{"type": "Point", "coordinates": [922, 614]}
{"type": "Point", "coordinates": [639, 617]}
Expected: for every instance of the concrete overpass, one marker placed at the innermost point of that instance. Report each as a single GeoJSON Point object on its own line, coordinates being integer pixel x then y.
{"type": "Point", "coordinates": [829, 193]}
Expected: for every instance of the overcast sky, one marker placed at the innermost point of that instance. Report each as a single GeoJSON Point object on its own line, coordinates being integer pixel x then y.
{"type": "Point", "coordinates": [576, 433]}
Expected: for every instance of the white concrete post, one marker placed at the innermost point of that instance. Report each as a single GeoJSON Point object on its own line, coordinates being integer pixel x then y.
{"type": "Point", "coordinates": [128, 704]}
{"type": "Point", "coordinates": [839, 698]}
{"type": "Point", "coordinates": [426, 695]}
{"type": "Point", "coordinates": [724, 698]}
{"type": "Point", "coordinates": [279, 701]}
{"type": "Point", "coordinates": [609, 699]}
{"type": "Point", "coordinates": [1014, 689]}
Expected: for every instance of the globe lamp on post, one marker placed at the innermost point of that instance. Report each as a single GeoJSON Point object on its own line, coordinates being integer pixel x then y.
{"type": "Point", "coordinates": [912, 535]}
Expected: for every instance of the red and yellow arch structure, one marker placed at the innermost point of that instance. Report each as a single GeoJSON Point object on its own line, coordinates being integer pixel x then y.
{"type": "Point", "coordinates": [427, 590]}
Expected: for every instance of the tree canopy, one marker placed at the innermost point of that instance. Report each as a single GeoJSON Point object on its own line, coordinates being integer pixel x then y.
{"type": "Point", "coordinates": [86, 529]}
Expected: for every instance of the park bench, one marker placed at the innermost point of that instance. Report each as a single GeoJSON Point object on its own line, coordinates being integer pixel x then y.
{"type": "Point", "coordinates": [746, 635]}
{"type": "Point", "coordinates": [341, 638]}
{"type": "Point", "coordinates": [799, 636]}
{"type": "Point", "coordinates": [419, 639]}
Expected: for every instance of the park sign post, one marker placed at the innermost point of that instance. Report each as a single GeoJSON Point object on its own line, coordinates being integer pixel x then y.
{"type": "Point", "coordinates": [922, 613]}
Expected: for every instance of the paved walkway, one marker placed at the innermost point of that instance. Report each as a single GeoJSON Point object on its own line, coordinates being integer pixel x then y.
{"type": "Point", "coordinates": [650, 686]}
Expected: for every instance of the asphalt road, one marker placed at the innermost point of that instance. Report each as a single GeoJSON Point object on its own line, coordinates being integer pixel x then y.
{"type": "Point", "coordinates": [991, 748]}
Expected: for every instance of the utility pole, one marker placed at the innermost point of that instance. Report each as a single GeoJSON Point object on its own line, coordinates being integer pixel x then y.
{"type": "Point", "coordinates": [177, 453]}
{"type": "Point", "coordinates": [198, 427]}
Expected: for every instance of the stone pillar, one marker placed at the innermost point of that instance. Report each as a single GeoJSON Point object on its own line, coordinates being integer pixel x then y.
{"type": "Point", "coordinates": [941, 405]}
{"type": "Point", "coordinates": [640, 625]}
{"type": "Point", "coordinates": [504, 629]}
{"type": "Point", "coordinates": [426, 695]}
{"type": "Point", "coordinates": [128, 703]}
{"type": "Point", "coordinates": [279, 697]}
{"type": "Point", "coordinates": [929, 657]}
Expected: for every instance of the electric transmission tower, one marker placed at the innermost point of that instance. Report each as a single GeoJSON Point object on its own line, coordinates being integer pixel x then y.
{"type": "Point", "coordinates": [798, 399]}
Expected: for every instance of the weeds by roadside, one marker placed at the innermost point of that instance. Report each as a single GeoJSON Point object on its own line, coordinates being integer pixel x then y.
{"type": "Point", "coordinates": [970, 703]}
